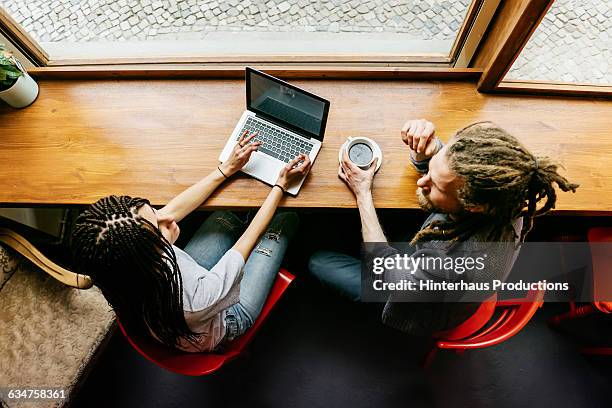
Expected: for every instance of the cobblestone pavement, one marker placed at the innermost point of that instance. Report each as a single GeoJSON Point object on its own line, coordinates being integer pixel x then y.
{"type": "Point", "coordinates": [572, 44]}
{"type": "Point", "coordinates": [89, 20]}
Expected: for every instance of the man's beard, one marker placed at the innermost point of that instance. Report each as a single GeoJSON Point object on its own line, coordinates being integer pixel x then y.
{"type": "Point", "coordinates": [425, 203]}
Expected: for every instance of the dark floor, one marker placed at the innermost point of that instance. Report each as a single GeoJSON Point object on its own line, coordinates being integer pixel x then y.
{"type": "Point", "coordinates": [317, 350]}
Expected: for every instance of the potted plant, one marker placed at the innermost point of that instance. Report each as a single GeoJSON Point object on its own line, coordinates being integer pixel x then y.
{"type": "Point", "coordinates": [17, 88]}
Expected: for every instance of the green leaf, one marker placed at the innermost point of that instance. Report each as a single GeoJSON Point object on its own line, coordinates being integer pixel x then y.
{"type": "Point", "coordinates": [11, 72]}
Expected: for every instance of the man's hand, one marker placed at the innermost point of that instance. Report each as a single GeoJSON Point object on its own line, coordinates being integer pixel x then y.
{"type": "Point", "coordinates": [240, 154]}
{"type": "Point", "coordinates": [358, 180]}
{"type": "Point", "coordinates": [419, 136]}
{"type": "Point", "coordinates": [295, 169]}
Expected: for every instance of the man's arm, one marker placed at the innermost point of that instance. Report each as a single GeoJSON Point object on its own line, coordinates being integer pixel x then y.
{"type": "Point", "coordinates": [370, 226]}
{"type": "Point", "coordinates": [360, 183]}
{"type": "Point", "coordinates": [419, 136]}
{"type": "Point", "coordinates": [422, 166]}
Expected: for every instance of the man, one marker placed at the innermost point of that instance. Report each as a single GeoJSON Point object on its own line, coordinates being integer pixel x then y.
{"type": "Point", "coordinates": [483, 186]}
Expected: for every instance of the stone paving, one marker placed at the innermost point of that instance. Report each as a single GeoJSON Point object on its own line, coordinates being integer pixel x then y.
{"type": "Point", "coordinates": [93, 20]}
{"type": "Point", "coordinates": [572, 44]}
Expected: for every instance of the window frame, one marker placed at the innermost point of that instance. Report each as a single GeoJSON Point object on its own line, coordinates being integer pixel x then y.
{"type": "Point", "coordinates": [508, 35]}
{"type": "Point", "coordinates": [22, 41]}
{"type": "Point", "coordinates": [40, 58]}
{"type": "Point", "coordinates": [492, 36]}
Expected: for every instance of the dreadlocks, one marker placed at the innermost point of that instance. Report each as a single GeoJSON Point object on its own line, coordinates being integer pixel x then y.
{"type": "Point", "coordinates": [134, 266]}
{"type": "Point", "coordinates": [500, 175]}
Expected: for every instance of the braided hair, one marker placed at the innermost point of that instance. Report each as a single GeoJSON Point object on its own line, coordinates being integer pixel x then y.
{"type": "Point", "coordinates": [500, 175]}
{"type": "Point", "coordinates": [134, 266]}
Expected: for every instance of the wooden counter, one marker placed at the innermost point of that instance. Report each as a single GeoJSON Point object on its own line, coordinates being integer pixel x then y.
{"type": "Point", "coordinates": [84, 139]}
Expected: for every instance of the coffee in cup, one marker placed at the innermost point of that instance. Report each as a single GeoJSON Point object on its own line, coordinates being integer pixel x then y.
{"type": "Point", "coordinates": [360, 152]}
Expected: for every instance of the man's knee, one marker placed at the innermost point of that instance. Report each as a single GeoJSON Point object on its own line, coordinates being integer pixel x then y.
{"type": "Point", "coordinates": [318, 264]}
{"type": "Point", "coordinates": [337, 271]}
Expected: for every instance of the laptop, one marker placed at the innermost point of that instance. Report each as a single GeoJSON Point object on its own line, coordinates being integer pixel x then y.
{"type": "Point", "coordinates": [289, 121]}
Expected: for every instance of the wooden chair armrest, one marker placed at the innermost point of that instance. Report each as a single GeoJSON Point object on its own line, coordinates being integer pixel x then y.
{"type": "Point", "coordinates": [25, 248]}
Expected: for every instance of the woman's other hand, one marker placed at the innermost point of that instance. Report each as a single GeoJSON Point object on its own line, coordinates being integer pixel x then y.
{"type": "Point", "coordinates": [240, 154]}
{"type": "Point", "coordinates": [295, 169]}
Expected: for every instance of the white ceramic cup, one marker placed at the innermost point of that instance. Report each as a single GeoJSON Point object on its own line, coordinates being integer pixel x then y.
{"type": "Point", "coordinates": [360, 151]}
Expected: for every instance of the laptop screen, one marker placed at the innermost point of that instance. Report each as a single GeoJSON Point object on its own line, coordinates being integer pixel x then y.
{"type": "Point", "coordinates": [286, 105]}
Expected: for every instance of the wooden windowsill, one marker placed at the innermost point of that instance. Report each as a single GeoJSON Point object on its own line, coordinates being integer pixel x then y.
{"type": "Point", "coordinates": [549, 88]}
{"type": "Point", "coordinates": [236, 71]}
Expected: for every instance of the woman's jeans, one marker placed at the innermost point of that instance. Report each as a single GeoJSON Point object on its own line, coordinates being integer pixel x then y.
{"type": "Point", "coordinates": [217, 235]}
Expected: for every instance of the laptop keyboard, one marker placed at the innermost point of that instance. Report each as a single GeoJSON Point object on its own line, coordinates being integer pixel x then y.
{"type": "Point", "coordinates": [275, 142]}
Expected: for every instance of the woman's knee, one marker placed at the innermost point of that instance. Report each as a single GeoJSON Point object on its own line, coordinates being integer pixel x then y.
{"type": "Point", "coordinates": [220, 220]}
{"type": "Point", "coordinates": [287, 219]}
{"type": "Point", "coordinates": [228, 219]}
{"type": "Point", "coordinates": [283, 224]}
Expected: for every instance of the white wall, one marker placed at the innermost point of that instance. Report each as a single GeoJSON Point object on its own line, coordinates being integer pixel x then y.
{"type": "Point", "coordinates": [44, 219]}
{"type": "Point", "coordinates": [26, 63]}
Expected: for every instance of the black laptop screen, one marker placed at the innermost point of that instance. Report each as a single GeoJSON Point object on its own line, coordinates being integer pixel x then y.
{"type": "Point", "coordinates": [285, 104]}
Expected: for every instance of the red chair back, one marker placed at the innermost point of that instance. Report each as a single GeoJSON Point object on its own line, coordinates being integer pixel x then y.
{"type": "Point", "coordinates": [601, 258]}
{"type": "Point", "coordinates": [602, 267]}
{"type": "Point", "coordinates": [513, 317]}
{"type": "Point", "coordinates": [196, 364]}
{"type": "Point", "coordinates": [474, 323]}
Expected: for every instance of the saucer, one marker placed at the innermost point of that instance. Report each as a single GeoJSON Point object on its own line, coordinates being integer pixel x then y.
{"type": "Point", "coordinates": [376, 151]}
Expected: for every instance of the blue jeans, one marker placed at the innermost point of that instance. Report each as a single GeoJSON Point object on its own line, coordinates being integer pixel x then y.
{"type": "Point", "coordinates": [338, 271]}
{"type": "Point", "coordinates": [217, 235]}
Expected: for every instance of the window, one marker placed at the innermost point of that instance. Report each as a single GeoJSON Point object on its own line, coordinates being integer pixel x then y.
{"type": "Point", "coordinates": [306, 31]}
{"type": "Point", "coordinates": [572, 45]}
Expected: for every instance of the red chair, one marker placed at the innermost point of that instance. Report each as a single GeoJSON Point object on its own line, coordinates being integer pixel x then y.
{"type": "Point", "coordinates": [602, 286]}
{"type": "Point", "coordinates": [205, 363]}
{"type": "Point", "coordinates": [476, 332]}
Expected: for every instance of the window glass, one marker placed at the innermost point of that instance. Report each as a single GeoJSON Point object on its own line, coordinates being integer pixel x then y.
{"type": "Point", "coordinates": [572, 44]}
{"type": "Point", "coordinates": [171, 28]}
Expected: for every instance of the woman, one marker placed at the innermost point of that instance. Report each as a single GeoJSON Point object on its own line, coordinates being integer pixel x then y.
{"type": "Point", "coordinates": [199, 298]}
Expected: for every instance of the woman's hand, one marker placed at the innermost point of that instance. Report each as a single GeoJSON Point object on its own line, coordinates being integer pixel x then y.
{"type": "Point", "coordinates": [294, 170]}
{"type": "Point", "coordinates": [358, 180]}
{"type": "Point", "coordinates": [240, 154]}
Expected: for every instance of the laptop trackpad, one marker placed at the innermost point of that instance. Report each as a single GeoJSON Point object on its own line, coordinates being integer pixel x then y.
{"type": "Point", "coordinates": [263, 167]}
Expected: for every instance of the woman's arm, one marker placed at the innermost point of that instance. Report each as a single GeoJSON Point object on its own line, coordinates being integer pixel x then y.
{"type": "Point", "coordinates": [249, 238]}
{"type": "Point", "coordinates": [187, 201]}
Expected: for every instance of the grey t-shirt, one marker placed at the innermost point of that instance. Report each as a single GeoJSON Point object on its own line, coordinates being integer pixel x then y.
{"type": "Point", "coordinates": [207, 295]}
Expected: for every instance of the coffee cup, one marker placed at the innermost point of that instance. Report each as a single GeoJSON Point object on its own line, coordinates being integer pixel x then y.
{"type": "Point", "coordinates": [360, 151]}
